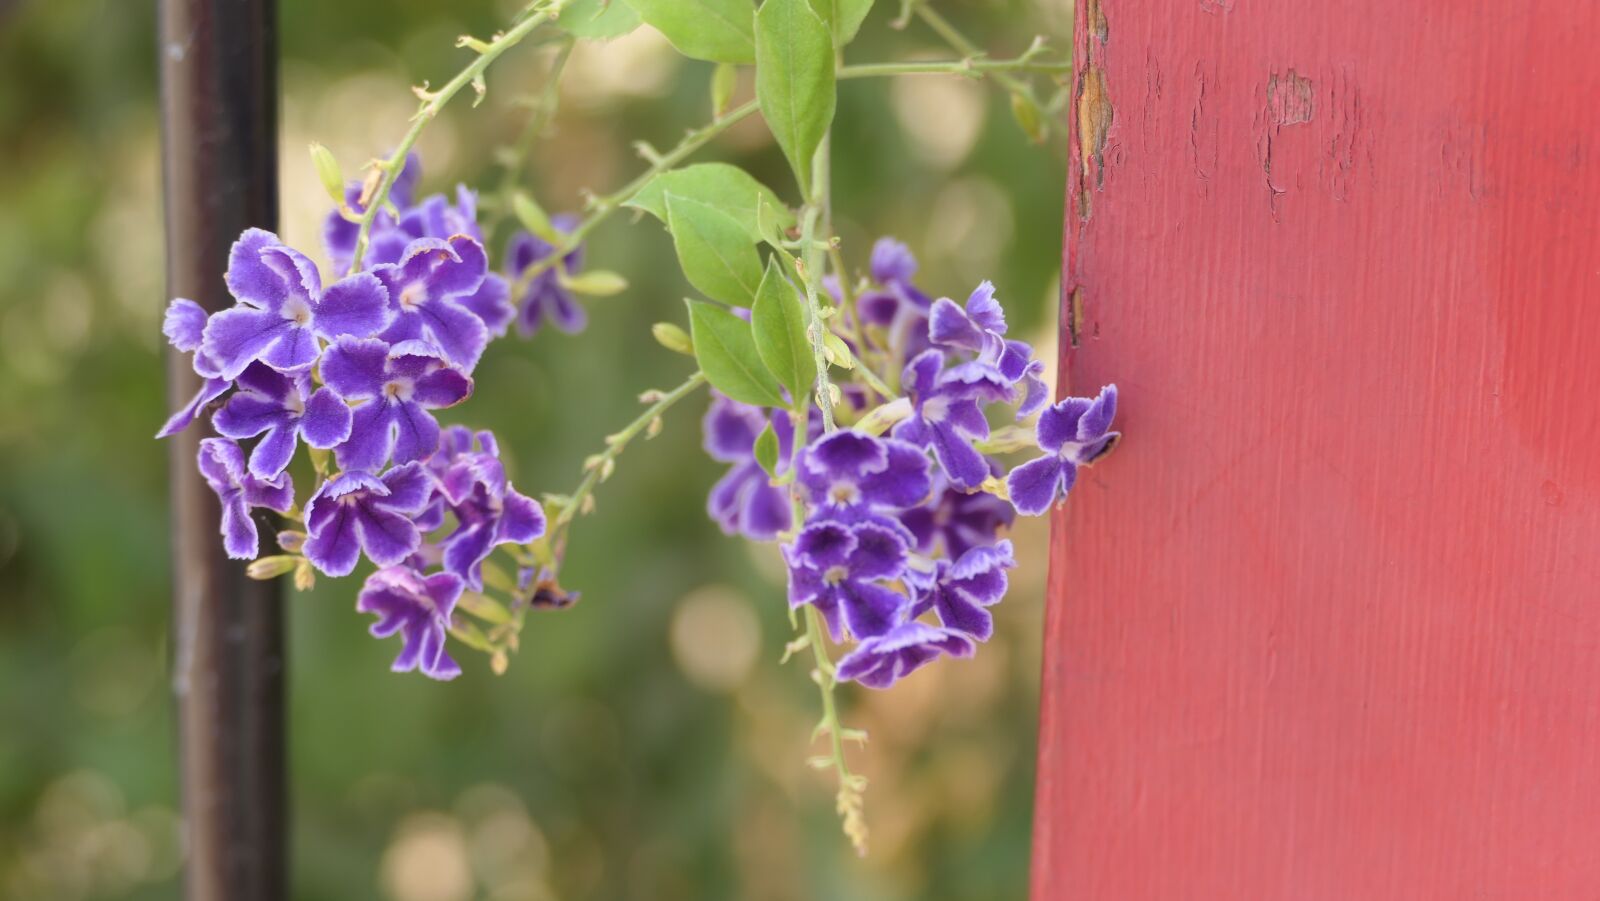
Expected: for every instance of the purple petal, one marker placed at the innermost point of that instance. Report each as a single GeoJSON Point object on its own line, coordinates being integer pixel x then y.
{"type": "Point", "coordinates": [765, 510]}
{"type": "Point", "coordinates": [965, 467]}
{"type": "Point", "coordinates": [442, 388]}
{"type": "Point", "coordinates": [295, 270]}
{"type": "Point", "coordinates": [210, 390]}
{"type": "Point", "coordinates": [1037, 392]}
{"type": "Point", "coordinates": [408, 489]}
{"type": "Point", "coordinates": [892, 262]}
{"type": "Point", "coordinates": [371, 440]}
{"type": "Point", "coordinates": [921, 375]}
{"type": "Point", "coordinates": [1034, 485]}
{"type": "Point", "coordinates": [949, 325]}
{"type": "Point", "coordinates": [356, 305]}
{"type": "Point", "coordinates": [824, 544]}
{"type": "Point", "coordinates": [250, 280]}
{"type": "Point", "coordinates": [239, 537]}
{"type": "Point", "coordinates": [879, 553]}
{"type": "Point", "coordinates": [985, 311]}
{"type": "Point", "coordinates": [297, 350]}
{"type": "Point", "coordinates": [522, 519]}
{"type": "Point", "coordinates": [237, 337]}
{"type": "Point", "coordinates": [1059, 424]}
{"type": "Point", "coordinates": [1096, 420]}
{"type": "Point", "coordinates": [491, 303]}
{"type": "Point", "coordinates": [332, 544]}
{"type": "Point", "coordinates": [276, 493]}
{"type": "Point", "coordinates": [386, 536]}
{"type": "Point", "coordinates": [184, 324]}
{"type": "Point", "coordinates": [870, 609]}
{"type": "Point", "coordinates": [416, 432]}
{"type": "Point", "coordinates": [458, 332]}
{"type": "Point", "coordinates": [729, 429]}
{"type": "Point", "coordinates": [356, 368]}
{"type": "Point", "coordinates": [326, 420]}
{"type": "Point", "coordinates": [466, 550]}
{"type": "Point", "coordinates": [273, 452]}
{"type": "Point", "coordinates": [248, 413]}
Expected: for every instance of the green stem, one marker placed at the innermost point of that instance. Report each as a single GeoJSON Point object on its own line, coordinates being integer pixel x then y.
{"type": "Point", "coordinates": [432, 103]}
{"type": "Point", "coordinates": [598, 466]}
{"type": "Point", "coordinates": [542, 113]}
{"type": "Point", "coordinates": [601, 208]}
{"type": "Point", "coordinates": [971, 67]}
{"type": "Point", "coordinates": [967, 48]}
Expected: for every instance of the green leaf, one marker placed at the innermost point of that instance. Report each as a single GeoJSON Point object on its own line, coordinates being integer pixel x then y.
{"type": "Point", "coordinates": [598, 20]}
{"type": "Point", "coordinates": [766, 449]}
{"type": "Point", "coordinates": [779, 327]}
{"type": "Point", "coordinates": [720, 31]}
{"type": "Point", "coordinates": [716, 254]}
{"type": "Point", "coordinates": [726, 187]}
{"type": "Point", "coordinates": [727, 354]}
{"type": "Point", "coordinates": [843, 17]}
{"type": "Point", "coordinates": [794, 80]}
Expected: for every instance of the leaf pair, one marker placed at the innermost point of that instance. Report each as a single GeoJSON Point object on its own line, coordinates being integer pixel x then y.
{"type": "Point", "coordinates": [750, 361]}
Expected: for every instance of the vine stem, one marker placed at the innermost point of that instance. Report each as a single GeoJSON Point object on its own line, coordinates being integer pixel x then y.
{"type": "Point", "coordinates": [970, 67]}
{"type": "Point", "coordinates": [544, 109]}
{"type": "Point", "coordinates": [601, 208]}
{"type": "Point", "coordinates": [599, 466]}
{"type": "Point", "coordinates": [432, 103]}
{"type": "Point", "coordinates": [960, 43]}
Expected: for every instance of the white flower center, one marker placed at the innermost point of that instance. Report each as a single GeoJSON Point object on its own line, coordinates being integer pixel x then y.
{"type": "Point", "coordinates": [295, 404]}
{"type": "Point", "coordinates": [413, 296]}
{"type": "Point", "coordinates": [936, 409]}
{"type": "Point", "coordinates": [835, 574]}
{"type": "Point", "coordinates": [399, 390]}
{"type": "Point", "coordinates": [297, 310]}
{"type": "Point", "coordinates": [844, 493]}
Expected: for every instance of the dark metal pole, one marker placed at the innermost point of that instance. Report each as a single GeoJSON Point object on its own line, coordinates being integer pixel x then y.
{"type": "Point", "coordinates": [219, 83]}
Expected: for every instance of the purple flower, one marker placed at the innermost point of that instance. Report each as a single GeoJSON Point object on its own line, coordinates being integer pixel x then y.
{"type": "Point", "coordinates": [184, 325]}
{"type": "Point", "coordinates": [425, 289]}
{"type": "Point", "coordinates": [419, 608]}
{"type": "Point", "coordinates": [946, 416]}
{"type": "Point", "coordinates": [488, 511]}
{"type": "Point", "coordinates": [356, 511]}
{"type": "Point", "coordinates": [882, 660]}
{"type": "Point", "coordinates": [897, 306]}
{"type": "Point", "coordinates": [963, 589]}
{"type": "Point", "coordinates": [285, 408]}
{"type": "Point", "coordinates": [850, 475]}
{"type": "Point", "coordinates": [956, 520]}
{"type": "Point", "coordinates": [1035, 392]}
{"type": "Point", "coordinates": [980, 328]}
{"type": "Point", "coordinates": [221, 462]}
{"type": "Point", "coordinates": [837, 567]}
{"type": "Point", "coordinates": [545, 298]}
{"type": "Point", "coordinates": [394, 388]}
{"type": "Point", "coordinates": [1073, 433]}
{"type": "Point", "coordinates": [744, 501]}
{"type": "Point", "coordinates": [283, 309]}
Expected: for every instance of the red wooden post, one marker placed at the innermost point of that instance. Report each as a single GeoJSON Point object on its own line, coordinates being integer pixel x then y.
{"type": "Point", "coordinates": [219, 143]}
{"type": "Point", "coordinates": [1327, 625]}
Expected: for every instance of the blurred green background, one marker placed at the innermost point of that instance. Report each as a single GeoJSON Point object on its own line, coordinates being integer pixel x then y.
{"type": "Point", "coordinates": [645, 744]}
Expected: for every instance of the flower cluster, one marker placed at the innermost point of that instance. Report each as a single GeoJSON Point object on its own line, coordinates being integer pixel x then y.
{"type": "Point", "coordinates": [355, 370]}
{"type": "Point", "coordinates": [900, 544]}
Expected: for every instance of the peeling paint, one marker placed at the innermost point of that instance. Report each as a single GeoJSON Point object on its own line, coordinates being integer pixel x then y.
{"type": "Point", "coordinates": [1075, 317]}
{"type": "Point", "coordinates": [1291, 99]}
{"type": "Point", "coordinates": [1093, 106]}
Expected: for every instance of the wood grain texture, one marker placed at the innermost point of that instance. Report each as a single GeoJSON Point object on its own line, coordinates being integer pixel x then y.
{"type": "Point", "coordinates": [1327, 625]}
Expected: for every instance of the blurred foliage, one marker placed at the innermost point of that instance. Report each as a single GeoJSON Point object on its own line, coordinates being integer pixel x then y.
{"type": "Point", "coordinates": [645, 744]}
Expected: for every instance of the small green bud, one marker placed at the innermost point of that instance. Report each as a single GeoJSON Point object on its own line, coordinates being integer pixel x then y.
{"type": "Point", "coordinates": [328, 172]}
{"type": "Point", "coordinates": [723, 81]}
{"type": "Point", "coordinates": [1029, 117]}
{"type": "Point", "coordinates": [672, 338]}
{"type": "Point", "coordinates": [838, 352]}
{"type": "Point", "coordinates": [595, 283]}
{"type": "Point", "coordinates": [271, 567]}
{"type": "Point", "coordinates": [291, 540]}
{"type": "Point", "coordinates": [533, 217]}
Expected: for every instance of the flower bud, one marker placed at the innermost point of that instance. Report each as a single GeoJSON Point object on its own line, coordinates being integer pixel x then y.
{"type": "Point", "coordinates": [672, 338]}
{"type": "Point", "coordinates": [291, 541]}
{"type": "Point", "coordinates": [328, 172]}
{"type": "Point", "coordinates": [271, 567]}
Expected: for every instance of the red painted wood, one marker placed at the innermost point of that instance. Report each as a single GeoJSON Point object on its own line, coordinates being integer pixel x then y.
{"type": "Point", "coordinates": [1327, 625]}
